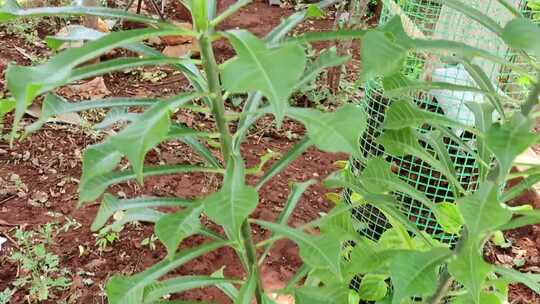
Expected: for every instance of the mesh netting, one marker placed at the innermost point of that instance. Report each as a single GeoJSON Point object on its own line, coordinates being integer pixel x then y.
{"type": "Point", "coordinates": [431, 20]}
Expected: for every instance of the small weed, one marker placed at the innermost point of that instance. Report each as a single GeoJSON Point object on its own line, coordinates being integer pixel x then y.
{"type": "Point", "coordinates": [5, 295]}
{"type": "Point", "coordinates": [40, 273]}
{"type": "Point", "coordinates": [150, 242]}
{"type": "Point", "coordinates": [46, 232]}
{"type": "Point", "coordinates": [106, 238]}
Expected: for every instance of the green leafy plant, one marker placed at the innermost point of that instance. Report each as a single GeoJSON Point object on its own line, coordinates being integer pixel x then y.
{"type": "Point", "coordinates": [419, 266]}
{"type": "Point", "coordinates": [534, 6]}
{"type": "Point", "coordinates": [41, 272]}
{"type": "Point", "coordinates": [403, 265]}
{"type": "Point", "coordinates": [5, 295]}
{"type": "Point", "coordinates": [150, 242]}
{"type": "Point", "coordinates": [105, 238]}
{"type": "Point", "coordinates": [27, 28]}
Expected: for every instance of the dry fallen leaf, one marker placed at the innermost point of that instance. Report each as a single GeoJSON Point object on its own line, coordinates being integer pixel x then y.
{"type": "Point", "coordinates": [181, 50]}
{"type": "Point", "coordinates": [70, 118]}
{"type": "Point", "coordinates": [176, 40]}
{"type": "Point", "coordinates": [94, 89]}
{"type": "Point", "coordinates": [102, 26]}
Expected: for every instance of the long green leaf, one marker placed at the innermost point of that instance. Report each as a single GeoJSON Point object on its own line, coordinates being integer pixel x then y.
{"type": "Point", "coordinates": [204, 152]}
{"type": "Point", "coordinates": [91, 188]}
{"type": "Point", "coordinates": [317, 251]}
{"type": "Point", "coordinates": [509, 140]}
{"type": "Point", "coordinates": [523, 218]}
{"type": "Point", "coordinates": [521, 187]}
{"type": "Point", "coordinates": [337, 131]}
{"type": "Point", "coordinates": [111, 205]}
{"type": "Point", "coordinates": [259, 68]}
{"type": "Point", "coordinates": [172, 228]}
{"type": "Point", "coordinates": [483, 118]}
{"type": "Point", "coordinates": [474, 14]}
{"type": "Point", "coordinates": [251, 105]}
{"type": "Point", "coordinates": [484, 82]}
{"type": "Point", "coordinates": [143, 134]}
{"type": "Point", "coordinates": [8, 13]}
{"type": "Point", "coordinates": [482, 211]}
{"type": "Point", "coordinates": [181, 131]}
{"type": "Point", "coordinates": [229, 11]}
{"type": "Point", "coordinates": [522, 34]}
{"type": "Point", "coordinates": [6, 106]}
{"type": "Point", "coordinates": [341, 34]}
{"type": "Point", "coordinates": [130, 290]}
{"type": "Point", "coordinates": [278, 33]}
{"type": "Point", "coordinates": [118, 64]}
{"type": "Point", "coordinates": [247, 291]}
{"type": "Point", "coordinates": [188, 136]}
{"type": "Point", "coordinates": [381, 56]}
{"type": "Point", "coordinates": [26, 83]}
{"type": "Point", "coordinates": [291, 22]}
{"type": "Point", "coordinates": [395, 85]}
{"type": "Point", "coordinates": [98, 160]}
{"type": "Point", "coordinates": [285, 27]}
{"type": "Point", "coordinates": [227, 288]}
{"type": "Point", "coordinates": [511, 8]}
{"type": "Point", "coordinates": [462, 50]}
{"type": "Point", "coordinates": [528, 279]}
{"type": "Point", "coordinates": [114, 116]}
{"type": "Point", "coordinates": [435, 140]}
{"type": "Point", "coordinates": [74, 32]}
{"type": "Point", "coordinates": [402, 114]}
{"type": "Point", "coordinates": [338, 293]}
{"type": "Point", "coordinates": [378, 178]}
{"type": "Point", "coordinates": [54, 105]}
{"type": "Point", "coordinates": [155, 291]}
{"type": "Point", "coordinates": [232, 205]}
{"type": "Point", "coordinates": [404, 142]}
{"type": "Point", "coordinates": [135, 141]}
{"type": "Point", "coordinates": [368, 257]}
{"type": "Point", "coordinates": [147, 215]}
{"type": "Point", "coordinates": [415, 273]}
{"type": "Point", "coordinates": [469, 267]}
{"type": "Point", "coordinates": [386, 203]}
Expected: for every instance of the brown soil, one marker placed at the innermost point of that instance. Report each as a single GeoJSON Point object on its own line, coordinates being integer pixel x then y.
{"type": "Point", "coordinates": [52, 165]}
{"type": "Point", "coordinates": [48, 165]}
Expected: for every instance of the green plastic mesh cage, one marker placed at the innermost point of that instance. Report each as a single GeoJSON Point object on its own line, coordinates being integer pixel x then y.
{"type": "Point", "coordinates": [433, 20]}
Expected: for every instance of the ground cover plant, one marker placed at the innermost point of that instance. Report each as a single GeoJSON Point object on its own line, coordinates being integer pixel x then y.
{"type": "Point", "coordinates": [405, 266]}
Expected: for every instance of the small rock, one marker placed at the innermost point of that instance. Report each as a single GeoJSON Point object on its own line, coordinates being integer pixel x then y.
{"type": "Point", "coordinates": [40, 196]}
{"type": "Point", "coordinates": [95, 264]}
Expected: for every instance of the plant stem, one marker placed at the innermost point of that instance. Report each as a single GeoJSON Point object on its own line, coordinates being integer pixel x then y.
{"type": "Point", "coordinates": [218, 110]}
{"type": "Point", "coordinates": [532, 99]}
{"type": "Point", "coordinates": [252, 260]}
{"type": "Point", "coordinates": [214, 86]}
{"type": "Point", "coordinates": [444, 286]}
{"type": "Point", "coordinates": [446, 279]}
